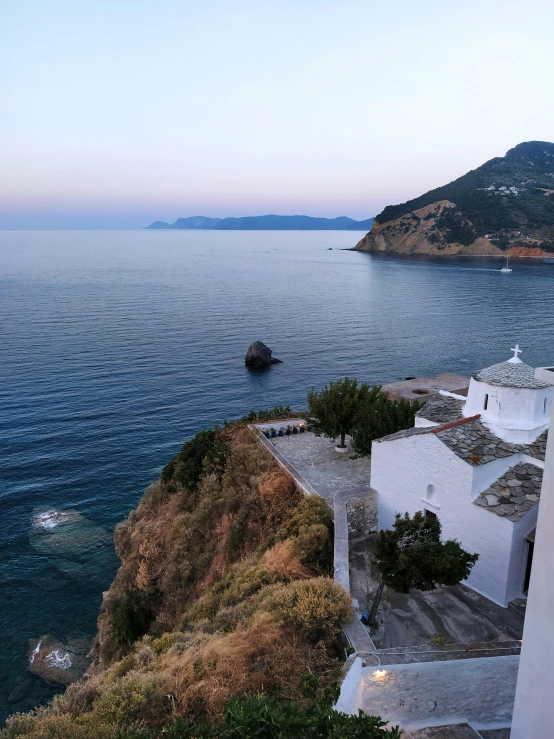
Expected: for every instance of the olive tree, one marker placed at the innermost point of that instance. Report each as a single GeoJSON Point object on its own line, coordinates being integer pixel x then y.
{"type": "Point", "coordinates": [333, 410]}
{"type": "Point", "coordinates": [412, 555]}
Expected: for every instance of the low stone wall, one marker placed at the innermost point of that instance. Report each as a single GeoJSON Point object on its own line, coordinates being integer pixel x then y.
{"type": "Point", "coordinates": [354, 632]}
{"type": "Point", "coordinates": [362, 517]}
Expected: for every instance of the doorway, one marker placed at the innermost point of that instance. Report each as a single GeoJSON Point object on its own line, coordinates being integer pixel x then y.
{"type": "Point", "coordinates": [529, 565]}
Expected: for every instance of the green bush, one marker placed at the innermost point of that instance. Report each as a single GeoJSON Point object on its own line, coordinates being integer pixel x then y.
{"type": "Point", "coordinates": [132, 617]}
{"type": "Point", "coordinates": [266, 718]}
{"type": "Point", "coordinates": [378, 416]}
{"type": "Point", "coordinates": [207, 450]}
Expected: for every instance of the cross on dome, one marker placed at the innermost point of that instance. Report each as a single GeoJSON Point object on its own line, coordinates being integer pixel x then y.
{"type": "Point", "coordinates": [515, 359]}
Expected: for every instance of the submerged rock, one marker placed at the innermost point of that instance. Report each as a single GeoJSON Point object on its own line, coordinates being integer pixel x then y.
{"type": "Point", "coordinates": [74, 545]}
{"type": "Point", "coordinates": [259, 356]}
{"type": "Point", "coordinates": [21, 689]}
{"type": "Point", "coordinates": [58, 663]}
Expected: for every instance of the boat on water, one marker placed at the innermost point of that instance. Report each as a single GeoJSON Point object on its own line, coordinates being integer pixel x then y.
{"type": "Point", "coordinates": [507, 268]}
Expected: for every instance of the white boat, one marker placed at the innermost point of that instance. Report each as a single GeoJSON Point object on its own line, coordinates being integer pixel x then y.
{"type": "Point", "coordinates": [506, 268]}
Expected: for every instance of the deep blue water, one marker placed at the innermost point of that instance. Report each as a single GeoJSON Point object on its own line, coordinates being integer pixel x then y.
{"type": "Point", "coordinates": [118, 346]}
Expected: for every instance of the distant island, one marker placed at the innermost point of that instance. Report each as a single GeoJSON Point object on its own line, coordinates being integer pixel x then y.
{"type": "Point", "coordinates": [267, 223]}
{"type": "Point", "coordinates": [504, 207]}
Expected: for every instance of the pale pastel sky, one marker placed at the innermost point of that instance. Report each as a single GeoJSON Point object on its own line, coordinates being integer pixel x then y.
{"type": "Point", "coordinates": [114, 114]}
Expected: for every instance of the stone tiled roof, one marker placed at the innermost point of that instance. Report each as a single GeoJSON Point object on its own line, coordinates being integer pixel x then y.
{"type": "Point", "coordinates": [405, 432]}
{"type": "Point", "coordinates": [473, 442]}
{"type": "Point", "coordinates": [441, 409]}
{"type": "Point", "coordinates": [476, 444]}
{"type": "Point", "coordinates": [513, 494]}
{"type": "Point", "coordinates": [510, 374]}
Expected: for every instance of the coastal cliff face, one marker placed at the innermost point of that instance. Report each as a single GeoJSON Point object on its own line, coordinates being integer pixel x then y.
{"type": "Point", "coordinates": [504, 207]}
{"type": "Point", "coordinates": [427, 230]}
{"type": "Point", "coordinates": [225, 589]}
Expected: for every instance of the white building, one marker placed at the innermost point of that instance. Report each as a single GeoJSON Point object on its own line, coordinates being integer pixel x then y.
{"type": "Point", "coordinates": [477, 464]}
{"type": "Point", "coordinates": [534, 709]}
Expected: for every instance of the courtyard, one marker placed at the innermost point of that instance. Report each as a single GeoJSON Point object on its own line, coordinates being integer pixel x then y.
{"type": "Point", "coordinates": [447, 615]}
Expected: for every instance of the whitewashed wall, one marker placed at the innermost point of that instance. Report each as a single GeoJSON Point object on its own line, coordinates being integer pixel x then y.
{"type": "Point", "coordinates": [402, 470]}
{"type": "Point", "coordinates": [517, 415]}
{"type": "Point", "coordinates": [518, 557]}
{"type": "Point", "coordinates": [534, 707]}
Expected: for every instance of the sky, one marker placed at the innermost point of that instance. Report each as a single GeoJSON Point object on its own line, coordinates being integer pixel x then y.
{"type": "Point", "coordinates": [115, 114]}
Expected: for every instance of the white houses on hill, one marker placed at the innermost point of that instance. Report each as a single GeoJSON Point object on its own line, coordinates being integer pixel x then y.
{"type": "Point", "coordinates": [477, 464]}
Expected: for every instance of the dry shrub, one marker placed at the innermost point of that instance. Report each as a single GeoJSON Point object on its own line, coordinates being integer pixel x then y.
{"type": "Point", "coordinates": [78, 697]}
{"type": "Point", "coordinates": [43, 724]}
{"type": "Point", "coordinates": [174, 640]}
{"type": "Point", "coordinates": [135, 698]}
{"type": "Point", "coordinates": [219, 561]}
{"type": "Point", "coordinates": [262, 657]}
{"type": "Point", "coordinates": [144, 655]}
{"type": "Point", "coordinates": [279, 495]}
{"type": "Point", "coordinates": [283, 561]}
{"type": "Point", "coordinates": [315, 607]}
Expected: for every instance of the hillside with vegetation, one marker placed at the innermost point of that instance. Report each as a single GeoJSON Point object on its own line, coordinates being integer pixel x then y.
{"type": "Point", "coordinates": [505, 206]}
{"type": "Point", "coordinates": [223, 619]}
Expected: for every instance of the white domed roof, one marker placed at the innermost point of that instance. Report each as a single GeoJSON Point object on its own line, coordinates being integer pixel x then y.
{"type": "Point", "coordinates": [510, 374]}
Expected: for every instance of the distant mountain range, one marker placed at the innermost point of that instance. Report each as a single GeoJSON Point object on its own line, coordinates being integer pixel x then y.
{"type": "Point", "coordinates": [267, 223]}
{"type": "Point", "coordinates": [505, 206]}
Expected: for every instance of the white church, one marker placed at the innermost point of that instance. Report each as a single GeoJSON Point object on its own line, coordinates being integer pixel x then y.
{"type": "Point", "coordinates": [476, 463]}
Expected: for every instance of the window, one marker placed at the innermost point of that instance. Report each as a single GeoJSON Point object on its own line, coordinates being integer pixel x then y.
{"type": "Point", "coordinates": [544, 407]}
{"type": "Point", "coordinates": [430, 514]}
{"type": "Point", "coordinates": [485, 404]}
{"type": "Point", "coordinates": [430, 492]}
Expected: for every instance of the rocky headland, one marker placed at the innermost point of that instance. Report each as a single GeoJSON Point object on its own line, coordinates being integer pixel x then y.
{"type": "Point", "coordinates": [504, 207]}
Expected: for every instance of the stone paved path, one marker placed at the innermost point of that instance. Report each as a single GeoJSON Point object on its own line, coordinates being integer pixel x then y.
{"type": "Point", "coordinates": [328, 471]}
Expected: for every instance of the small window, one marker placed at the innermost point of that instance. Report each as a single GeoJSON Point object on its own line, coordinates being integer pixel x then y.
{"type": "Point", "coordinates": [486, 402]}
{"type": "Point", "coordinates": [430, 514]}
{"type": "Point", "coordinates": [430, 492]}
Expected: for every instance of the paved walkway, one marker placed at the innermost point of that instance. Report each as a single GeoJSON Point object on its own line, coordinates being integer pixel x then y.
{"type": "Point", "coordinates": [328, 471]}
{"type": "Point", "coordinates": [477, 691]}
{"type": "Point", "coordinates": [412, 694]}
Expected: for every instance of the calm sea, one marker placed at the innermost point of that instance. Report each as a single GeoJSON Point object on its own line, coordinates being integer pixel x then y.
{"type": "Point", "coordinates": [118, 346]}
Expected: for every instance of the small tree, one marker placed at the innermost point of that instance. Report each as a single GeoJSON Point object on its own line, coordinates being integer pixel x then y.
{"type": "Point", "coordinates": [412, 555]}
{"type": "Point", "coordinates": [378, 416]}
{"type": "Point", "coordinates": [333, 410]}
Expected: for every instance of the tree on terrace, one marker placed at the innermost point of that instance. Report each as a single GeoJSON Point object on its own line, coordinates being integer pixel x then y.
{"type": "Point", "coordinates": [412, 555]}
{"type": "Point", "coordinates": [378, 416]}
{"type": "Point", "coordinates": [333, 410]}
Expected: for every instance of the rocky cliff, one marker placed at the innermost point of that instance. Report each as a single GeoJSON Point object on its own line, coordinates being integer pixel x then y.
{"type": "Point", "coordinates": [506, 206]}
{"type": "Point", "coordinates": [225, 591]}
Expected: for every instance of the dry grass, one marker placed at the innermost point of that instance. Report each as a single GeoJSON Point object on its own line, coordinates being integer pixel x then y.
{"type": "Point", "coordinates": [281, 560]}
{"type": "Point", "coordinates": [231, 573]}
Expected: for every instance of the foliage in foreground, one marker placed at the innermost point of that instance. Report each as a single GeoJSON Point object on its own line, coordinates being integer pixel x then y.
{"type": "Point", "coordinates": [266, 718]}
{"type": "Point", "coordinates": [253, 717]}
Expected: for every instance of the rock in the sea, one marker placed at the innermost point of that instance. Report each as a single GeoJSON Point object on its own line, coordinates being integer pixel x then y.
{"type": "Point", "coordinates": [57, 663]}
{"type": "Point", "coordinates": [259, 356]}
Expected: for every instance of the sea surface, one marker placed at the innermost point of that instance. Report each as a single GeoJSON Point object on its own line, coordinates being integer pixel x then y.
{"type": "Point", "coordinates": [116, 347]}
